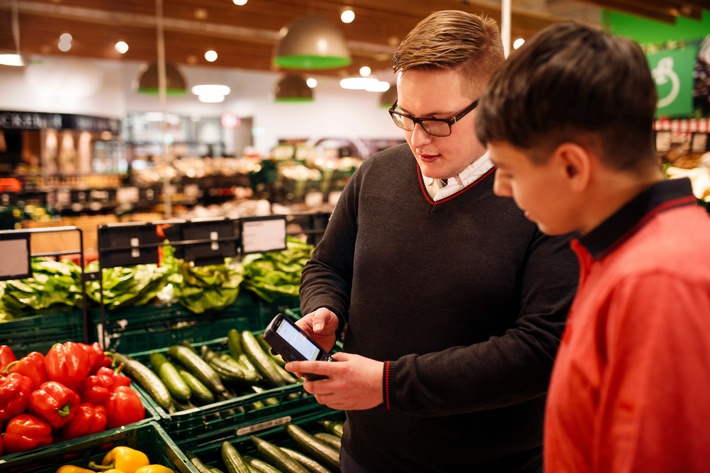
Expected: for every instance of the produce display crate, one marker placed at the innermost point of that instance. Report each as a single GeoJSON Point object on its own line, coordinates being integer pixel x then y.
{"type": "Point", "coordinates": [40, 332]}
{"type": "Point", "coordinates": [136, 329]}
{"type": "Point", "coordinates": [149, 438]}
{"type": "Point", "coordinates": [151, 417]}
{"type": "Point", "coordinates": [230, 413]}
{"type": "Point", "coordinates": [208, 448]}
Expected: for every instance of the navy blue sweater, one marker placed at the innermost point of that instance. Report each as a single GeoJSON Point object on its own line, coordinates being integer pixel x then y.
{"type": "Point", "coordinates": [466, 301]}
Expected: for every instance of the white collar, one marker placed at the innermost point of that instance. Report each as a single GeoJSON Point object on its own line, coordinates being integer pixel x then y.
{"type": "Point", "coordinates": [471, 173]}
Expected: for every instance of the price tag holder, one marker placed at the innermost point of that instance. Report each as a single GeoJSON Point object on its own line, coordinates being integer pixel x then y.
{"type": "Point", "coordinates": [15, 255]}
{"type": "Point", "coordinates": [262, 234]}
{"type": "Point", "coordinates": [127, 244]}
{"type": "Point", "coordinates": [209, 241]}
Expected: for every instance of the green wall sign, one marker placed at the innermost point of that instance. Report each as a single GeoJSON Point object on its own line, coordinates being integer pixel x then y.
{"type": "Point", "coordinates": [673, 73]}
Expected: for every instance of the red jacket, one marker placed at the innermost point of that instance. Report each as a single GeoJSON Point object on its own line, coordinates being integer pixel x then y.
{"type": "Point", "coordinates": [630, 389]}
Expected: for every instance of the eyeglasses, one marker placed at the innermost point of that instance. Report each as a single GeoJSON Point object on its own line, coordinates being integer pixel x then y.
{"type": "Point", "coordinates": [433, 126]}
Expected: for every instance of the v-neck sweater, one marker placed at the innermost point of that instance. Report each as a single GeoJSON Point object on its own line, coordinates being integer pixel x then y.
{"type": "Point", "coordinates": [465, 301]}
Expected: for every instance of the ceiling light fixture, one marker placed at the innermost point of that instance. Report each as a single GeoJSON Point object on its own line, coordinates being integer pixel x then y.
{"type": "Point", "coordinates": [121, 47]}
{"type": "Point", "coordinates": [312, 42]}
{"type": "Point", "coordinates": [175, 83]}
{"type": "Point", "coordinates": [211, 55]}
{"type": "Point", "coordinates": [211, 93]}
{"type": "Point", "coordinates": [347, 15]}
{"type": "Point", "coordinates": [292, 88]}
{"type": "Point", "coordinates": [10, 57]}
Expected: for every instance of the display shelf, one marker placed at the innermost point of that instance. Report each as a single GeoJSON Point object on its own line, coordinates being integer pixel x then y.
{"type": "Point", "coordinates": [147, 437]}
{"type": "Point", "coordinates": [207, 448]}
{"type": "Point", "coordinates": [230, 414]}
{"type": "Point", "coordinates": [136, 329]}
{"type": "Point", "coordinates": [40, 332]}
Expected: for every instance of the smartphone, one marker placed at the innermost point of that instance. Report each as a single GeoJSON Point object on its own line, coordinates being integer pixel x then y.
{"type": "Point", "coordinates": [293, 344]}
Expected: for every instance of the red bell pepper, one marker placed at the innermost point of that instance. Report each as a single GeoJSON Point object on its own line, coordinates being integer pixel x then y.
{"type": "Point", "coordinates": [89, 419]}
{"type": "Point", "coordinates": [68, 363]}
{"type": "Point", "coordinates": [97, 357]}
{"type": "Point", "coordinates": [55, 403]}
{"type": "Point", "coordinates": [26, 432]}
{"type": "Point", "coordinates": [32, 366]}
{"type": "Point", "coordinates": [15, 390]}
{"type": "Point", "coordinates": [123, 407]}
{"type": "Point", "coordinates": [2, 449]}
{"type": "Point", "coordinates": [7, 356]}
{"type": "Point", "coordinates": [97, 388]}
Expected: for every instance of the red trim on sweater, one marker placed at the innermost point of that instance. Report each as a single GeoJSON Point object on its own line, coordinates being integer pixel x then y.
{"type": "Point", "coordinates": [422, 186]}
{"type": "Point", "coordinates": [387, 385]}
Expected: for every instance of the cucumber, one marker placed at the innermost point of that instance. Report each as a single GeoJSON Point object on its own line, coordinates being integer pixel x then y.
{"type": "Point", "coordinates": [236, 349]}
{"type": "Point", "coordinates": [197, 463]}
{"type": "Point", "coordinates": [170, 376]}
{"type": "Point", "coordinates": [200, 393]}
{"type": "Point", "coordinates": [261, 360]}
{"type": "Point", "coordinates": [226, 371]}
{"type": "Point", "coordinates": [233, 460]}
{"type": "Point", "coordinates": [313, 447]}
{"type": "Point", "coordinates": [332, 426]}
{"type": "Point", "coordinates": [328, 439]}
{"type": "Point", "coordinates": [146, 379]}
{"type": "Point", "coordinates": [251, 374]}
{"type": "Point", "coordinates": [269, 401]}
{"type": "Point", "coordinates": [290, 378]}
{"type": "Point", "coordinates": [312, 465]}
{"type": "Point", "coordinates": [260, 466]}
{"type": "Point", "coordinates": [192, 362]}
{"type": "Point", "coordinates": [275, 456]}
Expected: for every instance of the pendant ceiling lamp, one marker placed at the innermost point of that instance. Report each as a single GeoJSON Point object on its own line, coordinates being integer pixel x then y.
{"type": "Point", "coordinates": [148, 82]}
{"type": "Point", "coordinates": [12, 57]}
{"type": "Point", "coordinates": [312, 42]}
{"type": "Point", "coordinates": [292, 88]}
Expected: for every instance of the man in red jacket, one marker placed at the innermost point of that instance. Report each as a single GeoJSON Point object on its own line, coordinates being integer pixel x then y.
{"type": "Point", "coordinates": [569, 125]}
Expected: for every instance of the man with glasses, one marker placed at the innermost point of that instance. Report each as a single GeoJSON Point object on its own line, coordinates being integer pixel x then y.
{"type": "Point", "coordinates": [451, 302]}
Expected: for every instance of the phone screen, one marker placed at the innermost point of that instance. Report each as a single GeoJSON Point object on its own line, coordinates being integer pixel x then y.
{"type": "Point", "coordinates": [298, 341]}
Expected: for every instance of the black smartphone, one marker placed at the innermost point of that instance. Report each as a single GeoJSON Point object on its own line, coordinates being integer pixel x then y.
{"type": "Point", "coordinates": [293, 344]}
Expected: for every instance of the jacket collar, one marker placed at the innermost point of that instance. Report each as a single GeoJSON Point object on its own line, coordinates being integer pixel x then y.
{"type": "Point", "coordinates": [626, 221]}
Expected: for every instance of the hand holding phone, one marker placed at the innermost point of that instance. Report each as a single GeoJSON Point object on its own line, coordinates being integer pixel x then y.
{"type": "Point", "coordinates": [293, 344]}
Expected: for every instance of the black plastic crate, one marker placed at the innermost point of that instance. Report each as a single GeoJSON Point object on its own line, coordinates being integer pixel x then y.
{"type": "Point", "coordinates": [228, 414]}
{"type": "Point", "coordinates": [148, 437]}
{"type": "Point", "coordinates": [136, 329]}
{"type": "Point", "coordinates": [208, 449]}
{"type": "Point", "coordinates": [40, 332]}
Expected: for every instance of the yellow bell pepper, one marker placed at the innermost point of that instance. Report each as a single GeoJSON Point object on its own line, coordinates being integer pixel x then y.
{"type": "Point", "coordinates": [154, 469]}
{"type": "Point", "coordinates": [73, 469]}
{"type": "Point", "coordinates": [124, 459]}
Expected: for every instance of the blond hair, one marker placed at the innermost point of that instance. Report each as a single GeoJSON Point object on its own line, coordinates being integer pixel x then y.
{"type": "Point", "coordinates": [453, 39]}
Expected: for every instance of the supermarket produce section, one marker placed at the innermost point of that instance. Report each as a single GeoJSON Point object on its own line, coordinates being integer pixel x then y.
{"type": "Point", "coordinates": [158, 366]}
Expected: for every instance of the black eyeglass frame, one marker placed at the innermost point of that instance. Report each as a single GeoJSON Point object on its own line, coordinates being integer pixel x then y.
{"type": "Point", "coordinates": [422, 121]}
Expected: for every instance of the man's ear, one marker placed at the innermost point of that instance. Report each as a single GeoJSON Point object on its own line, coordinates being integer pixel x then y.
{"type": "Point", "coordinates": [574, 163]}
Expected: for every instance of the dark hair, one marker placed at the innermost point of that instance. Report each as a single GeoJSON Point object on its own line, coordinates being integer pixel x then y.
{"type": "Point", "coordinates": [453, 39]}
{"type": "Point", "coordinates": [573, 83]}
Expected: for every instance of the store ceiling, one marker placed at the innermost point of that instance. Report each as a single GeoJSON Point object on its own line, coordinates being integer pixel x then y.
{"type": "Point", "coordinates": [244, 36]}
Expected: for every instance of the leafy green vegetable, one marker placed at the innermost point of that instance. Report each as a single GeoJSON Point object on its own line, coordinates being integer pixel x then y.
{"type": "Point", "coordinates": [277, 274]}
{"type": "Point", "coordinates": [203, 288]}
{"type": "Point", "coordinates": [127, 285]}
{"type": "Point", "coordinates": [54, 285]}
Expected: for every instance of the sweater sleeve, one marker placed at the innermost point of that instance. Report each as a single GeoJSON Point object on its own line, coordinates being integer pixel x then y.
{"type": "Point", "coordinates": [503, 370]}
{"type": "Point", "coordinates": [327, 277]}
